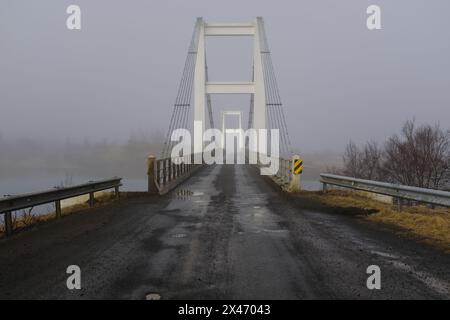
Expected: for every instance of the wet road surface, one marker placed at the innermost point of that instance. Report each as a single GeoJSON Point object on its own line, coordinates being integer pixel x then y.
{"type": "Point", "coordinates": [226, 233]}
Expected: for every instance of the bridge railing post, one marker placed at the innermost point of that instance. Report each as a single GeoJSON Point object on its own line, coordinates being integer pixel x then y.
{"type": "Point", "coordinates": [174, 169]}
{"type": "Point", "coordinates": [169, 170]}
{"type": "Point", "coordinates": [158, 172]}
{"type": "Point", "coordinates": [287, 170]}
{"type": "Point", "coordinates": [165, 172]}
{"type": "Point", "coordinates": [152, 167]}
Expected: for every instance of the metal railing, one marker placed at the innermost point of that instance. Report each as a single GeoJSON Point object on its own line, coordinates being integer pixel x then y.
{"type": "Point", "coordinates": [437, 197]}
{"type": "Point", "coordinates": [284, 175]}
{"type": "Point", "coordinates": [13, 203]}
{"type": "Point", "coordinates": [165, 174]}
{"type": "Point", "coordinates": [285, 170]}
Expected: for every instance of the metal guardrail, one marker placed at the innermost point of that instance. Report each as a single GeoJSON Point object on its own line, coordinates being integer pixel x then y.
{"type": "Point", "coordinates": [13, 203]}
{"type": "Point", "coordinates": [437, 197]}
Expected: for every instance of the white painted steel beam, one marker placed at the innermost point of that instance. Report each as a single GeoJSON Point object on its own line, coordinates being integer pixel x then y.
{"type": "Point", "coordinates": [230, 87]}
{"type": "Point", "coordinates": [229, 29]}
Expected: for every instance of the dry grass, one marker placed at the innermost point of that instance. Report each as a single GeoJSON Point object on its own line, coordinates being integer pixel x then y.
{"type": "Point", "coordinates": [26, 218]}
{"type": "Point", "coordinates": [429, 225]}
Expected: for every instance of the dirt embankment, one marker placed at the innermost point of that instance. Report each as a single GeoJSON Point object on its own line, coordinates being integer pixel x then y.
{"type": "Point", "coordinates": [421, 222]}
{"type": "Point", "coordinates": [24, 219]}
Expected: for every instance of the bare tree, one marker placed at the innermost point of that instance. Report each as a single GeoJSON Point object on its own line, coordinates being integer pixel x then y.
{"type": "Point", "coordinates": [352, 161]}
{"type": "Point", "coordinates": [420, 156]}
{"type": "Point", "coordinates": [371, 161]}
{"type": "Point", "coordinates": [364, 164]}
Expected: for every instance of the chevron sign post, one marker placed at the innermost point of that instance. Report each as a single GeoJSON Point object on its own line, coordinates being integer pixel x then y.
{"type": "Point", "coordinates": [298, 166]}
{"type": "Point", "coordinates": [297, 169]}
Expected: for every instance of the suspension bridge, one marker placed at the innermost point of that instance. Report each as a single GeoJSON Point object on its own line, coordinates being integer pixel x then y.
{"type": "Point", "coordinates": [217, 231]}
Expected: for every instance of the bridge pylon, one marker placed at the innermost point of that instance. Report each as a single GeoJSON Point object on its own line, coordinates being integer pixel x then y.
{"type": "Point", "coordinates": [265, 110]}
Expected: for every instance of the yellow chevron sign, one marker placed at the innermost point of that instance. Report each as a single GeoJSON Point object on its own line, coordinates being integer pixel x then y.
{"type": "Point", "coordinates": [298, 166]}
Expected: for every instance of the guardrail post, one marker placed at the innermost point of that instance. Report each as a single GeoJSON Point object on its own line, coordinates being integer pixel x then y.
{"type": "Point", "coordinates": [324, 187]}
{"type": "Point", "coordinates": [295, 178]}
{"type": "Point", "coordinates": [58, 208]}
{"type": "Point", "coordinates": [91, 199]}
{"type": "Point", "coordinates": [399, 204]}
{"type": "Point", "coordinates": [151, 168]}
{"type": "Point", "coordinates": [8, 223]}
{"type": "Point", "coordinates": [116, 192]}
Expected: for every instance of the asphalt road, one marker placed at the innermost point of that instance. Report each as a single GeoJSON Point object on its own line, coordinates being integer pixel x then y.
{"type": "Point", "coordinates": [226, 233]}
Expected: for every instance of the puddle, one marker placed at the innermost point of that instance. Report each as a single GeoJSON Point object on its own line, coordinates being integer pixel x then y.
{"type": "Point", "coordinates": [179, 235]}
{"type": "Point", "coordinates": [152, 296]}
{"type": "Point", "coordinates": [276, 231]}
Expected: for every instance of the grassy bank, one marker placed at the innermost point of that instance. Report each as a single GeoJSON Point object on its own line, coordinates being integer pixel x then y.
{"type": "Point", "coordinates": [426, 224]}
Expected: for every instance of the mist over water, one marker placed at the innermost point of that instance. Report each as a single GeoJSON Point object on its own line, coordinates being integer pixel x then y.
{"type": "Point", "coordinates": [32, 165]}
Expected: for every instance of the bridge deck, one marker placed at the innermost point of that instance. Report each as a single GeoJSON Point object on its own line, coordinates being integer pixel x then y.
{"type": "Point", "coordinates": [225, 233]}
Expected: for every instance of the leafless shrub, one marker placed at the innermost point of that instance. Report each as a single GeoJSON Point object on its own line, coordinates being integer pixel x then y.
{"type": "Point", "coordinates": [352, 161]}
{"type": "Point", "coordinates": [365, 163]}
{"type": "Point", "coordinates": [334, 170]}
{"type": "Point", "coordinates": [419, 156]}
{"type": "Point", "coordinates": [28, 218]}
{"type": "Point", "coordinates": [15, 222]}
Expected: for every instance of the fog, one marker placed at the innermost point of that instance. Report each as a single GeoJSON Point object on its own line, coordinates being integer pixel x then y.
{"type": "Point", "coordinates": [118, 76]}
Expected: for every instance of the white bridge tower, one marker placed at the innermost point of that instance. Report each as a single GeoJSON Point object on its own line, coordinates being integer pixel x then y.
{"type": "Point", "coordinates": [265, 103]}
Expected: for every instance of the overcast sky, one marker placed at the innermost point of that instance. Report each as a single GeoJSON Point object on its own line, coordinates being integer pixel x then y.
{"type": "Point", "coordinates": [119, 74]}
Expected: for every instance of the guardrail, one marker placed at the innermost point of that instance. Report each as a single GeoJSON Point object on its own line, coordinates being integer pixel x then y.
{"type": "Point", "coordinates": [437, 197]}
{"type": "Point", "coordinates": [165, 174]}
{"type": "Point", "coordinates": [13, 203]}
